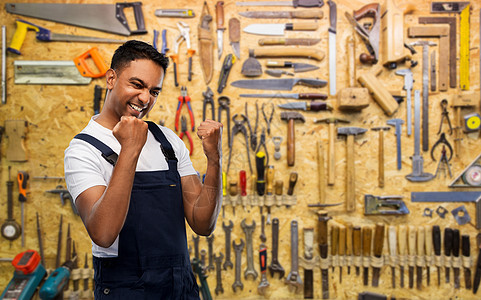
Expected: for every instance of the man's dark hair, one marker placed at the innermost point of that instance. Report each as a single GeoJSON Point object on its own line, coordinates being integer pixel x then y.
{"type": "Point", "coordinates": [133, 50]}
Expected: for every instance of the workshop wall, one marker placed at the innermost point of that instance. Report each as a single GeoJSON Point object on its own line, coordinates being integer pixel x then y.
{"type": "Point", "coordinates": [56, 113]}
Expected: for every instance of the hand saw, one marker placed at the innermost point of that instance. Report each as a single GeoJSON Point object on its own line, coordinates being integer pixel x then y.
{"type": "Point", "coordinates": [103, 17]}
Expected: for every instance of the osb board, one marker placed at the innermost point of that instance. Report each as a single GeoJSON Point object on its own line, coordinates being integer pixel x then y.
{"type": "Point", "coordinates": [56, 113]}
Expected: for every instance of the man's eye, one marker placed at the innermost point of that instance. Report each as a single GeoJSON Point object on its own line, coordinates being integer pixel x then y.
{"type": "Point", "coordinates": [137, 85]}
{"type": "Point", "coordinates": [155, 93]}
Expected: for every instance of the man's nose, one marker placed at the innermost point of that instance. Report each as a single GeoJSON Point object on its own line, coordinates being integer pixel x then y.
{"type": "Point", "coordinates": [145, 96]}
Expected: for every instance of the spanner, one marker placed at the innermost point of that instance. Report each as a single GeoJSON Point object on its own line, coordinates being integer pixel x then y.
{"type": "Point", "coordinates": [227, 229]}
{"type": "Point", "coordinates": [210, 242]}
{"type": "Point", "coordinates": [238, 263]}
{"type": "Point", "coordinates": [203, 254]}
{"type": "Point", "coordinates": [218, 265]}
{"type": "Point", "coordinates": [275, 266]}
{"type": "Point", "coordinates": [249, 230]}
{"type": "Point", "coordinates": [264, 284]}
{"type": "Point", "coordinates": [196, 246]}
{"type": "Point", "coordinates": [293, 278]}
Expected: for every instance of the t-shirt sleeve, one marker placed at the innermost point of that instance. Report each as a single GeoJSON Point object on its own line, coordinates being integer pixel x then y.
{"type": "Point", "coordinates": [82, 168]}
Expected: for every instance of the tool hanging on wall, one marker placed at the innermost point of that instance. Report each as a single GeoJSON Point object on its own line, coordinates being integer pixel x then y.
{"type": "Point", "coordinates": [4, 64]}
{"type": "Point", "coordinates": [229, 61]}
{"type": "Point", "coordinates": [219, 11]}
{"type": "Point", "coordinates": [11, 230]}
{"type": "Point", "coordinates": [175, 13]}
{"type": "Point", "coordinates": [472, 122]}
{"type": "Point", "coordinates": [22, 179]}
{"type": "Point", "coordinates": [445, 116]}
{"type": "Point", "coordinates": [234, 36]}
{"type": "Point", "coordinates": [332, 47]}
{"type": "Point", "coordinates": [206, 44]}
{"type": "Point", "coordinates": [295, 4]}
{"type": "Point", "coordinates": [384, 205]}
{"type": "Point", "coordinates": [184, 30]}
{"type": "Point", "coordinates": [381, 130]}
{"type": "Point", "coordinates": [294, 14]}
{"type": "Point", "coordinates": [408, 86]}
{"type": "Point", "coordinates": [16, 131]}
{"type": "Point", "coordinates": [103, 17]}
{"type": "Point", "coordinates": [470, 176]}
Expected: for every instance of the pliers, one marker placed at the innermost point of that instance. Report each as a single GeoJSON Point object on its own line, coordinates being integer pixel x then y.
{"type": "Point", "coordinates": [208, 99]}
{"type": "Point", "coordinates": [184, 98]}
{"type": "Point", "coordinates": [184, 35]}
{"type": "Point", "coordinates": [183, 128]}
{"type": "Point", "coordinates": [445, 115]}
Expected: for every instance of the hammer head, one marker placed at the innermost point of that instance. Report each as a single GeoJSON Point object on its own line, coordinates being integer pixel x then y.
{"type": "Point", "coordinates": [423, 43]}
{"type": "Point", "coordinates": [381, 128]}
{"type": "Point", "coordinates": [292, 115]}
{"type": "Point", "coordinates": [350, 130]}
{"type": "Point", "coordinates": [331, 120]}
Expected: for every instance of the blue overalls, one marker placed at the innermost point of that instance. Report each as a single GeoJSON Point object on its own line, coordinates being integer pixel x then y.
{"type": "Point", "coordinates": [153, 260]}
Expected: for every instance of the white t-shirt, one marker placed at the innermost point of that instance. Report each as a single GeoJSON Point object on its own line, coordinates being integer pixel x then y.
{"type": "Point", "coordinates": [85, 167]}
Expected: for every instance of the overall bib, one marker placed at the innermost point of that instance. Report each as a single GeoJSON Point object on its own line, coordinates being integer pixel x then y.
{"type": "Point", "coordinates": [153, 260]}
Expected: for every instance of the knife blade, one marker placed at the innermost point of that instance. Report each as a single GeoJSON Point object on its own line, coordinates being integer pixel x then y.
{"type": "Point", "coordinates": [279, 29]}
{"type": "Point", "coordinates": [312, 106]}
{"type": "Point", "coordinates": [377, 251]}
{"type": "Point", "coordinates": [285, 84]}
{"type": "Point", "coordinates": [288, 41]}
{"type": "Point", "coordinates": [219, 11]}
{"type": "Point", "coordinates": [466, 248]}
{"type": "Point", "coordinates": [366, 252]}
{"type": "Point", "coordinates": [298, 67]}
{"type": "Point", "coordinates": [448, 246]}
{"type": "Point", "coordinates": [234, 36]}
{"type": "Point", "coordinates": [295, 3]}
{"type": "Point", "coordinates": [300, 96]}
{"type": "Point", "coordinates": [332, 46]}
{"type": "Point", "coordinates": [437, 250]}
{"type": "Point", "coordinates": [304, 14]}
{"type": "Point", "coordinates": [456, 258]}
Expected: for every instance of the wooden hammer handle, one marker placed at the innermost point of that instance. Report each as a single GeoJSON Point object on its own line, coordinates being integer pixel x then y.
{"type": "Point", "coordinates": [351, 176]}
{"type": "Point", "coordinates": [291, 145]}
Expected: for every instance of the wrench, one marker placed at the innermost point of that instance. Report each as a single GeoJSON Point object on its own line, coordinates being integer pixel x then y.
{"type": "Point", "coordinates": [210, 242]}
{"type": "Point", "coordinates": [238, 262]}
{"type": "Point", "coordinates": [249, 230]}
{"type": "Point", "coordinates": [264, 284]}
{"type": "Point", "coordinates": [227, 230]}
{"type": "Point", "coordinates": [275, 266]}
{"type": "Point", "coordinates": [263, 233]}
{"type": "Point", "coordinates": [203, 253]}
{"type": "Point", "coordinates": [218, 264]}
{"type": "Point", "coordinates": [293, 278]}
{"type": "Point", "coordinates": [196, 246]}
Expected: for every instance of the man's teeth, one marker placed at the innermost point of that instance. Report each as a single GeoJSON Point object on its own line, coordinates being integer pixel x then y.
{"type": "Point", "coordinates": [137, 108]}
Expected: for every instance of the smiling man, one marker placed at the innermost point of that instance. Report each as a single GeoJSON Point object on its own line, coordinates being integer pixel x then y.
{"type": "Point", "coordinates": [134, 185]}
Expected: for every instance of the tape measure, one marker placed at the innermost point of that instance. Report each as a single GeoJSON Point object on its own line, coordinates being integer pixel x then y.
{"type": "Point", "coordinates": [464, 48]}
{"type": "Point", "coordinates": [472, 176]}
{"type": "Point", "coordinates": [472, 122]}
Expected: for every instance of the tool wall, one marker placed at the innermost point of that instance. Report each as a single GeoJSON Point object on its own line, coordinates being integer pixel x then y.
{"type": "Point", "coordinates": [362, 197]}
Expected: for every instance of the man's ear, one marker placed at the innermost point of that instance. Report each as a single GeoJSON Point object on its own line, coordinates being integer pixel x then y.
{"type": "Point", "coordinates": [111, 76]}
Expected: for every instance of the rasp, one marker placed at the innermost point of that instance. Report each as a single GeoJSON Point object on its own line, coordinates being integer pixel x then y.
{"type": "Point", "coordinates": [288, 41]}
{"type": "Point", "coordinates": [377, 252]}
{"type": "Point", "coordinates": [323, 219]}
{"type": "Point", "coordinates": [437, 250]}
{"type": "Point", "coordinates": [402, 239]}
{"type": "Point", "coordinates": [420, 258]}
{"type": "Point", "coordinates": [456, 258]}
{"type": "Point", "coordinates": [477, 272]}
{"type": "Point", "coordinates": [366, 252]}
{"type": "Point", "coordinates": [356, 247]}
{"type": "Point", "coordinates": [219, 11]}
{"type": "Point", "coordinates": [304, 14]}
{"type": "Point", "coordinates": [312, 106]}
{"type": "Point", "coordinates": [411, 253]}
{"type": "Point", "coordinates": [466, 250]}
{"type": "Point", "coordinates": [234, 36]}
{"type": "Point", "coordinates": [298, 67]}
{"type": "Point", "coordinates": [392, 243]}
{"type": "Point", "coordinates": [448, 246]}
{"type": "Point", "coordinates": [279, 29]}
{"type": "Point", "coordinates": [278, 84]}
{"type": "Point", "coordinates": [300, 96]}
{"type": "Point", "coordinates": [294, 3]}
{"type": "Point", "coordinates": [332, 46]}
{"type": "Point", "coordinates": [428, 247]}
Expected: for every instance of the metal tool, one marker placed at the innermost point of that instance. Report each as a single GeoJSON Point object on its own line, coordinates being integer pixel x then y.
{"type": "Point", "coordinates": [356, 248]}
{"type": "Point", "coordinates": [334, 246]}
{"type": "Point", "coordinates": [210, 247]}
{"type": "Point", "coordinates": [411, 253]}
{"type": "Point", "coordinates": [185, 131]}
{"type": "Point", "coordinates": [384, 205]}
{"type": "Point", "coordinates": [429, 251]}
{"type": "Point", "coordinates": [342, 250]}
{"type": "Point", "coordinates": [366, 252]}
{"type": "Point", "coordinates": [445, 116]}
{"type": "Point", "coordinates": [229, 61]}
{"type": "Point", "coordinates": [48, 72]}
{"type": "Point", "coordinates": [208, 99]}
{"type": "Point", "coordinates": [445, 196]}
{"type": "Point", "coordinates": [296, 3]}
{"type": "Point", "coordinates": [303, 14]}
{"type": "Point", "coordinates": [238, 263]}
{"type": "Point", "coordinates": [303, 96]}
{"type": "Point", "coordinates": [205, 44]}
{"type": "Point", "coordinates": [418, 174]}
{"type": "Point", "coordinates": [224, 103]}
{"type": "Point", "coordinates": [11, 230]}
{"type": "Point", "coordinates": [104, 17]}
{"type": "Point", "coordinates": [408, 86]}
{"type": "Point", "coordinates": [22, 179]}
{"type": "Point", "coordinates": [420, 262]}
{"type": "Point", "coordinates": [275, 266]}
{"type": "Point", "coordinates": [297, 67]}
{"type": "Point", "coordinates": [293, 279]}
{"type": "Point", "coordinates": [308, 262]}
{"type": "Point", "coordinates": [203, 254]}
{"type": "Point", "coordinates": [381, 130]}
{"type": "Point", "coordinates": [456, 258]}
{"type": "Point", "coordinates": [184, 31]}
{"type": "Point", "coordinates": [239, 127]}
{"type": "Point", "coordinates": [227, 230]}
{"type": "Point", "coordinates": [377, 253]}
{"type": "Point", "coordinates": [264, 284]}
{"type": "Point", "coordinates": [253, 132]}
{"type": "Point", "coordinates": [332, 47]}
{"type": "Point", "coordinates": [437, 250]}
{"type": "Point", "coordinates": [323, 219]}
{"type": "Point", "coordinates": [249, 230]}
{"type": "Point", "coordinates": [291, 117]}
{"type": "Point", "coordinates": [204, 286]}
{"type": "Point", "coordinates": [175, 13]}
{"type": "Point", "coordinates": [278, 84]}
{"type": "Point", "coordinates": [4, 64]}
{"type": "Point", "coordinates": [196, 246]}
{"type": "Point", "coordinates": [277, 73]}
{"type": "Point", "coordinates": [279, 29]}
{"type": "Point", "coordinates": [461, 215]}
{"type": "Point", "coordinates": [40, 241]}
{"type": "Point", "coordinates": [309, 106]}
{"type": "Point", "coordinates": [448, 247]}
{"type": "Point", "coordinates": [433, 71]}
{"type": "Point", "coordinates": [234, 36]}
{"type": "Point", "coordinates": [184, 98]}
{"type": "Point", "coordinates": [219, 10]}
{"type": "Point", "coordinates": [218, 273]}
{"type": "Point", "coordinates": [467, 264]}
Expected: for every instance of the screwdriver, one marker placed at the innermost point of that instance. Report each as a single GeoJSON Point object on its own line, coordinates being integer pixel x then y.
{"type": "Point", "coordinates": [22, 178]}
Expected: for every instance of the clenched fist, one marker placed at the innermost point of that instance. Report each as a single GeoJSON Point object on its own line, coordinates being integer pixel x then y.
{"type": "Point", "coordinates": [131, 133]}
{"type": "Point", "coordinates": [210, 132]}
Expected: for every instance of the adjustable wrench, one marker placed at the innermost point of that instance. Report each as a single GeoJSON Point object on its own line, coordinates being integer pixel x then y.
{"type": "Point", "coordinates": [293, 278]}
{"type": "Point", "coordinates": [275, 266]}
{"type": "Point", "coordinates": [227, 230]}
{"type": "Point", "coordinates": [218, 264]}
{"type": "Point", "coordinates": [238, 262]}
{"type": "Point", "coordinates": [249, 230]}
{"type": "Point", "coordinates": [264, 284]}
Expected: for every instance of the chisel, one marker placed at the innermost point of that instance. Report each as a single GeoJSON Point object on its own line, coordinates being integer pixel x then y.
{"type": "Point", "coordinates": [349, 230]}
{"type": "Point", "coordinates": [448, 245]}
{"type": "Point", "coordinates": [402, 237]}
{"type": "Point", "coordinates": [411, 253]}
{"type": "Point", "coordinates": [456, 258]}
{"type": "Point", "coordinates": [420, 258]}
{"type": "Point", "coordinates": [323, 219]}
{"type": "Point", "coordinates": [429, 251]}
{"type": "Point", "coordinates": [334, 246]}
{"type": "Point", "coordinates": [392, 242]}
{"type": "Point", "coordinates": [342, 249]}
{"type": "Point", "coordinates": [356, 247]}
{"type": "Point", "coordinates": [437, 250]}
{"type": "Point", "coordinates": [477, 272]}
{"type": "Point", "coordinates": [366, 252]}
{"type": "Point", "coordinates": [377, 251]}
{"type": "Point", "coordinates": [466, 250]}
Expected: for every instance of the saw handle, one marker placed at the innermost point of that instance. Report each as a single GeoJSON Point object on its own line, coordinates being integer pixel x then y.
{"type": "Point", "coordinates": [139, 16]}
{"type": "Point", "coordinates": [369, 10]}
{"type": "Point", "coordinates": [81, 64]}
{"type": "Point", "coordinates": [20, 34]}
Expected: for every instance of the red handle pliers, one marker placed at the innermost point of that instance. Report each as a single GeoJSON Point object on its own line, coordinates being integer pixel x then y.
{"type": "Point", "coordinates": [184, 98]}
{"type": "Point", "coordinates": [183, 126]}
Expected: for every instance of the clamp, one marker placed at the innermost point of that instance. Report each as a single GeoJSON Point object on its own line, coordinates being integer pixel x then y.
{"type": "Point", "coordinates": [224, 105]}
{"type": "Point", "coordinates": [208, 99]}
{"type": "Point", "coordinates": [183, 35]}
{"type": "Point", "coordinates": [184, 98]}
{"type": "Point", "coordinates": [445, 115]}
{"type": "Point", "coordinates": [183, 129]}
{"type": "Point", "coordinates": [239, 127]}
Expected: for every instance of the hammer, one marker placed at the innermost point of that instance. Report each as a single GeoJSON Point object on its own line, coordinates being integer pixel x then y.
{"type": "Point", "coordinates": [381, 130]}
{"type": "Point", "coordinates": [350, 132]}
{"type": "Point", "coordinates": [331, 154]}
{"type": "Point", "coordinates": [290, 117]}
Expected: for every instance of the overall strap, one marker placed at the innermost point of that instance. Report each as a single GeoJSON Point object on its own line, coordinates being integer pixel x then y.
{"type": "Point", "coordinates": [165, 145]}
{"type": "Point", "coordinates": [107, 152]}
